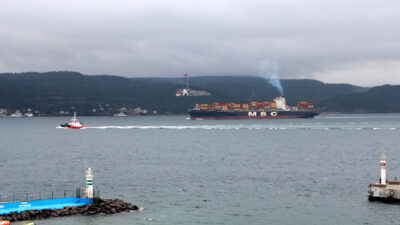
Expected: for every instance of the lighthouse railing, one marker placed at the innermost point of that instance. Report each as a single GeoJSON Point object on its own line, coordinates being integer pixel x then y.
{"type": "Point", "coordinates": [42, 195]}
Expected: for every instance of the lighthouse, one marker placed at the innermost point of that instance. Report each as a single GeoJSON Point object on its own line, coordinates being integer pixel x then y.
{"type": "Point", "coordinates": [383, 169]}
{"type": "Point", "coordinates": [89, 183]}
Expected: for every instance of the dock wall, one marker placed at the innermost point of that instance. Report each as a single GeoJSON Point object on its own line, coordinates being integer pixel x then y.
{"type": "Point", "coordinates": [385, 192]}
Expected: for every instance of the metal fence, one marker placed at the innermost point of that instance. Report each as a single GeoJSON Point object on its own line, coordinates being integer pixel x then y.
{"type": "Point", "coordinates": [41, 195]}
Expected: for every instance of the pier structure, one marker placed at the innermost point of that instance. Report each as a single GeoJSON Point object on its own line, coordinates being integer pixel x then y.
{"type": "Point", "coordinates": [384, 190]}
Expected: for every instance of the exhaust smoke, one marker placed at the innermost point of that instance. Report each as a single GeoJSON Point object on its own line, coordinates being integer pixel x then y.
{"type": "Point", "coordinates": [269, 69]}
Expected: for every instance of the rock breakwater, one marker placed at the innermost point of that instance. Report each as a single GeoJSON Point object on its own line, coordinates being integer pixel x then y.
{"type": "Point", "coordinates": [100, 206]}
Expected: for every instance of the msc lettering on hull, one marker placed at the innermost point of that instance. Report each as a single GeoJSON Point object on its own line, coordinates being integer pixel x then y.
{"type": "Point", "coordinates": [252, 113]}
{"type": "Point", "coordinates": [263, 114]}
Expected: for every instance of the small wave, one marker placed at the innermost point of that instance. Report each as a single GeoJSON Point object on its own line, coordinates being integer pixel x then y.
{"type": "Point", "coordinates": [343, 117]}
{"type": "Point", "coordinates": [241, 127]}
{"type": "Point", "coordinates": [357, 117]}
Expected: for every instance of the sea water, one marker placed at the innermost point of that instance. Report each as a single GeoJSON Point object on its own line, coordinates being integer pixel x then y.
{"type": "Point", "coordinates": [181, 171]}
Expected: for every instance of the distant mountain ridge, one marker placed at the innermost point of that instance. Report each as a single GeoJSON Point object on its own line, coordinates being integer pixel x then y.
{"type": "Point", "coordinates": [60, 93]}
{"type": "Point", "coordinates": [380, 99]}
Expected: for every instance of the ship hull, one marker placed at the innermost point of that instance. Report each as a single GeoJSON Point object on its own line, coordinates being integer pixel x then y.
{"type": "Point", "coordinates": [71, 127]}
{"type": "Point", "coordinates": [223, 115]}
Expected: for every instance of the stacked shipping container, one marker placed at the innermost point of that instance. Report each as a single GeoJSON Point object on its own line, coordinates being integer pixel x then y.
{"type": "Point", "coordinates": [249, 106]}
{"type": "Point", "coordinates": [305, 106]}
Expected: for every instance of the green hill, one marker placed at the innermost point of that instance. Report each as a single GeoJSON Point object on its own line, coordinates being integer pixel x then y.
{"type": "Point", "coordinates": [381, 99]}
{"type": "Point", "coordinates": [55, 93]}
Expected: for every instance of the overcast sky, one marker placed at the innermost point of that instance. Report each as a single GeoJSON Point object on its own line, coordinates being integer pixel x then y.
{"type": "Point", "coordinates": [334, 41]}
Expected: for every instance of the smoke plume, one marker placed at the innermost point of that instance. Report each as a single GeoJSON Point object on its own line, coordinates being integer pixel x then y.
{"type": "Point", "coordinates": [269, 69]}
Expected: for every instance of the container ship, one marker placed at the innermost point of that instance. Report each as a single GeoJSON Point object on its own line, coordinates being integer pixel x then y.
{"type": "Point", "coordinates": [254, 110]}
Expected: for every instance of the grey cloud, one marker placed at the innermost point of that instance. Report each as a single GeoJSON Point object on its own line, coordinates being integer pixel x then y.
{"type": "Point", "coordinates": [168, 38]}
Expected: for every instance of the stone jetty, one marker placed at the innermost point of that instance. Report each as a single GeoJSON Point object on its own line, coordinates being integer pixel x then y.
{"type": "Point", "coordinates": [100, 206]}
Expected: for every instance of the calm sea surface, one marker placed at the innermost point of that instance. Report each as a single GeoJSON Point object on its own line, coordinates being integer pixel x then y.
{"type": "Point", "coordinates": [295, 171]}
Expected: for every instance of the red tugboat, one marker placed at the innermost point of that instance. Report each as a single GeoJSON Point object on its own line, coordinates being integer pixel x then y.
{"type": "Point", "coordinates": [73, 124]}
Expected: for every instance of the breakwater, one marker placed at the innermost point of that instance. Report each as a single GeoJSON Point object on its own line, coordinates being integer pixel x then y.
{"type": "Point", "coordinates": [58, 203]}
{"type": "Point", "coordinates": [99, 206]}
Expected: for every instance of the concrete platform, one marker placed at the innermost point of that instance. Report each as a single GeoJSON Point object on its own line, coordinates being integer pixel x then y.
{"type": "Point", "coordinates": [389, 192]}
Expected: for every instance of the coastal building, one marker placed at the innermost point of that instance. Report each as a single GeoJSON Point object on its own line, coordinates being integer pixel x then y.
{"type": "Point", "coordinates": [3, 112]}
{"type": "Point", "coordinates": [28, 114]}
{"type": "Point", "coordinates": [17, 113]}
{"type": "Point", "coordinates": [120, 114]}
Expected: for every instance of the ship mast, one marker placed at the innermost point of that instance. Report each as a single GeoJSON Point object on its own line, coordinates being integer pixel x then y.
{"type": "Point", "coordinates": [74, 118]}
{"type": "Point", "coordinates": [187, 80]}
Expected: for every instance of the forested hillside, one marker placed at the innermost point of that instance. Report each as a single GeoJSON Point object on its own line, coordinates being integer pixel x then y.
{"type": "Point", "coordinates": [58, 93]}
